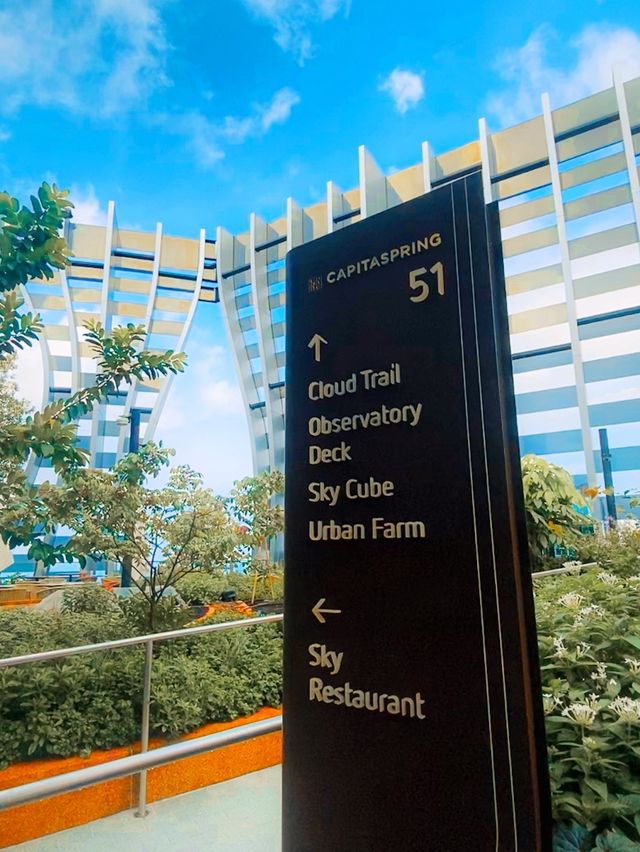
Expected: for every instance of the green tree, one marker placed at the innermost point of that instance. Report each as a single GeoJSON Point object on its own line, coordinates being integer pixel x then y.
{"type": "Point", "coordinates": [260, 518]}
{"type": "Point", "coordinates": [163, 533]}
{"type": "Point", "coordinates": [13, 410]}
{"type": "Point", "coordinates": [31, 247]}
{"type": "Point", "coordinates": [550, 501]}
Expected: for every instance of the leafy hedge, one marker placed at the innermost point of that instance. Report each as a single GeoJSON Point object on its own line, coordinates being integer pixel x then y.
{"type": "Point", "coordinates": [92, 701]}
{"type": "Point", "coordinates": [206, 588]}
{"type": "Point", "coordinates": [200, 588]}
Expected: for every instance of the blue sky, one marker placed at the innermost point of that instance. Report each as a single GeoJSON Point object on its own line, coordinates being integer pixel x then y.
{"type": "Point", "coordinates": [197, 113]}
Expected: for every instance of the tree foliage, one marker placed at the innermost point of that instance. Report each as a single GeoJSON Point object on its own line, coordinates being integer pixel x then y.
{"type": "Point", "coordinates": [260, 518]}
{"type": "Point", "coordinates": [17, 329]}
{"type": "Point", "coordinates": [253, 505]}
{"type": "Point", "coordinates": [51, 433]}
{"type": "Point", "coordinates": [163, 533]}
{"type": "Point", "coordinates": [550, 501]}
{"type": "Point", "coordinates": [30, 242]}
{"type": "Point", "coordinates": [12, 409]}
{"type": "Point", "coordinates": [31, 247]}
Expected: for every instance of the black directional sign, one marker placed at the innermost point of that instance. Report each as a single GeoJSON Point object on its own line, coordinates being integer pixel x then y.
{"type": "Point", "coordinates": [411, 706]}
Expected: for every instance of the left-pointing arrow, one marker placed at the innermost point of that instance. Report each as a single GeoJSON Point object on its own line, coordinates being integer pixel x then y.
{"type": "Point", "coordinates": [320, 613]}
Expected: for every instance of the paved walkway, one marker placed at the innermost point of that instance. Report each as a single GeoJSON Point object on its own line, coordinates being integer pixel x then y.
{"type": "Point", "coordinates": [242, 815]}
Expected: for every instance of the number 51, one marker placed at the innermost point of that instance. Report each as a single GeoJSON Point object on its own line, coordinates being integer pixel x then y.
{"type": "Point", "coordinates": [417, 283]}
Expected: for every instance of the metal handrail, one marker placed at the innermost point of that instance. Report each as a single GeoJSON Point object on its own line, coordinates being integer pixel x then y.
{"type": "Point", "coordinates": [133, 764]}
{"type": "Point", "coordinates": [573, 569]}
{"type": "Point", "coordinates": [148, 640]}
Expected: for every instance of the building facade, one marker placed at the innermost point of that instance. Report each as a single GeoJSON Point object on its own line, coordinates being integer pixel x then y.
{"type": "Point", "coordinates": [567, 185]}
{"type": "Point", "coordinates": [118, 276]}
{"type": "Point", "coordinates": [568, 191]}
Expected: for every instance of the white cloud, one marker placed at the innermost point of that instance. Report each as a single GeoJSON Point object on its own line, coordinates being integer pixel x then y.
{"type": "Point", "coordinates": [279, 110]}
{"type": "Point", "coordinates": [186, 401]}
{"type": "Point", "coordinates": [201, 134]}
{"type": "Point", "coordinates": [527, 71]}
{"type": "Point", "coordinates": [87, 208]}
{"type": "Point", "coordinates": [406, 88]}
{"type": "Point", "coordinates": [206, 137]}
{"type": "Point", "coordinates": [262, 117]}
{"type": "Point", "coordinates": [222, 397]}
{"type": "Point", "coordinates": [292, 21]}
{"type": "Point", "coordinates": [204, 419]}
{"type": "Point", "coordinates": [106, 60]}
{"type": "Point", "coordinates": [204, 390]}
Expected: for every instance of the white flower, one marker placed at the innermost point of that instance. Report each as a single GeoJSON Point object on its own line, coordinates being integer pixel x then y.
{"type": "Point", "coordinates": [613, 687]}
{"type": "Point", "coordinates": [581, 714]}
{"type": "Point", "coordinates": [626, 709]}
{"type": "Point", "coordinates": [549, 703]}
{"type": "Point", "coordinates": [608, 579]}
{"type": "Point", "coordinates": [634, 665]}
{"type": "Point", "coordinates": [582, 649]}
{"type": "Point", "coordinates": [591, 611]}
{"type": "Point", "coordinates": [590, 743]}
{"type": "Point", "coordinates": [600, 674]}
{"type": "Point", "coordinates": [572, 566]}
{"type": "Point", "coordinates": [559, 645]}
{"type": "Point", "coordinates": [571, 600]}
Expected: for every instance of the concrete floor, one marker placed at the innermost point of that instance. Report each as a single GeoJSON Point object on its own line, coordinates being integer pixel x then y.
{"type": "Point", "coordinates": [242, 815]}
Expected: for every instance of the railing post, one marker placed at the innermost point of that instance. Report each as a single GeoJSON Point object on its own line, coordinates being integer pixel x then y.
{"type": "Point", "coordinates": [144, 734]}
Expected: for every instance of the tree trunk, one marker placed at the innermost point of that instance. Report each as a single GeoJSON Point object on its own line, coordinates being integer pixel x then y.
{"type": "Point", "coordinates": [152, 614]}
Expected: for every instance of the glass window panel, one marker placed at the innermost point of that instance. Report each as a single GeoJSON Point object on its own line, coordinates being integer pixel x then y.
{"type": "Point", "coordinates": [613, 390]}
{"type": "Point", "coordinates": [575, 463]}
{"type": "Point", "coordinates": [551, 442]}
{"type": "Point", "coordinates": [603, 220]}
{"type": "Point", "coordinates": [614, 300]}
{"type": "Point", "coordinates": [604, 261]}
{"type": "Point", "coordinates": [540, 338]}
{"type": "Point", "coordinates": [536, 299]}
{"type": "Point", "coordinates": [532, 260]}
{"type": "Point", "coordinates": [547, 400]}
{"type": "Point", "coordinates": [552, 377]}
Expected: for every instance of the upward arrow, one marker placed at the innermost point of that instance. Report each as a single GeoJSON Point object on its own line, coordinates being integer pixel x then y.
{"type": "Point", "coordinates": [315, 343]}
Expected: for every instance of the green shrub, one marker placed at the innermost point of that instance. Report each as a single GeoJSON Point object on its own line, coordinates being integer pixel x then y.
{"type": "Point", "coordinates": [70, 706]}
{"type": "Point", "coordinates": [616, 550]}
{"type": "Point", "coordinates": [242, 583]}
{"type": "Point", "coordinates": [89, 598]}
{"type": "Point", "coordinates": [199, 588]}
{"type": "Point", "coordinates": [589, 642]}
{"type": "Point", "coordinates": [90, 701]}
{"type": "Point", "coordinates": [218, 676]}
{"type": "Point", "coordinates": [24, 631]}
{"type": "Point", "coordinates": [170, 614]}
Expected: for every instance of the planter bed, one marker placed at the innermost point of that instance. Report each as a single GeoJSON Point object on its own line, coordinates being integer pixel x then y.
{"type": "Point", "coordinates": [71, 809]}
